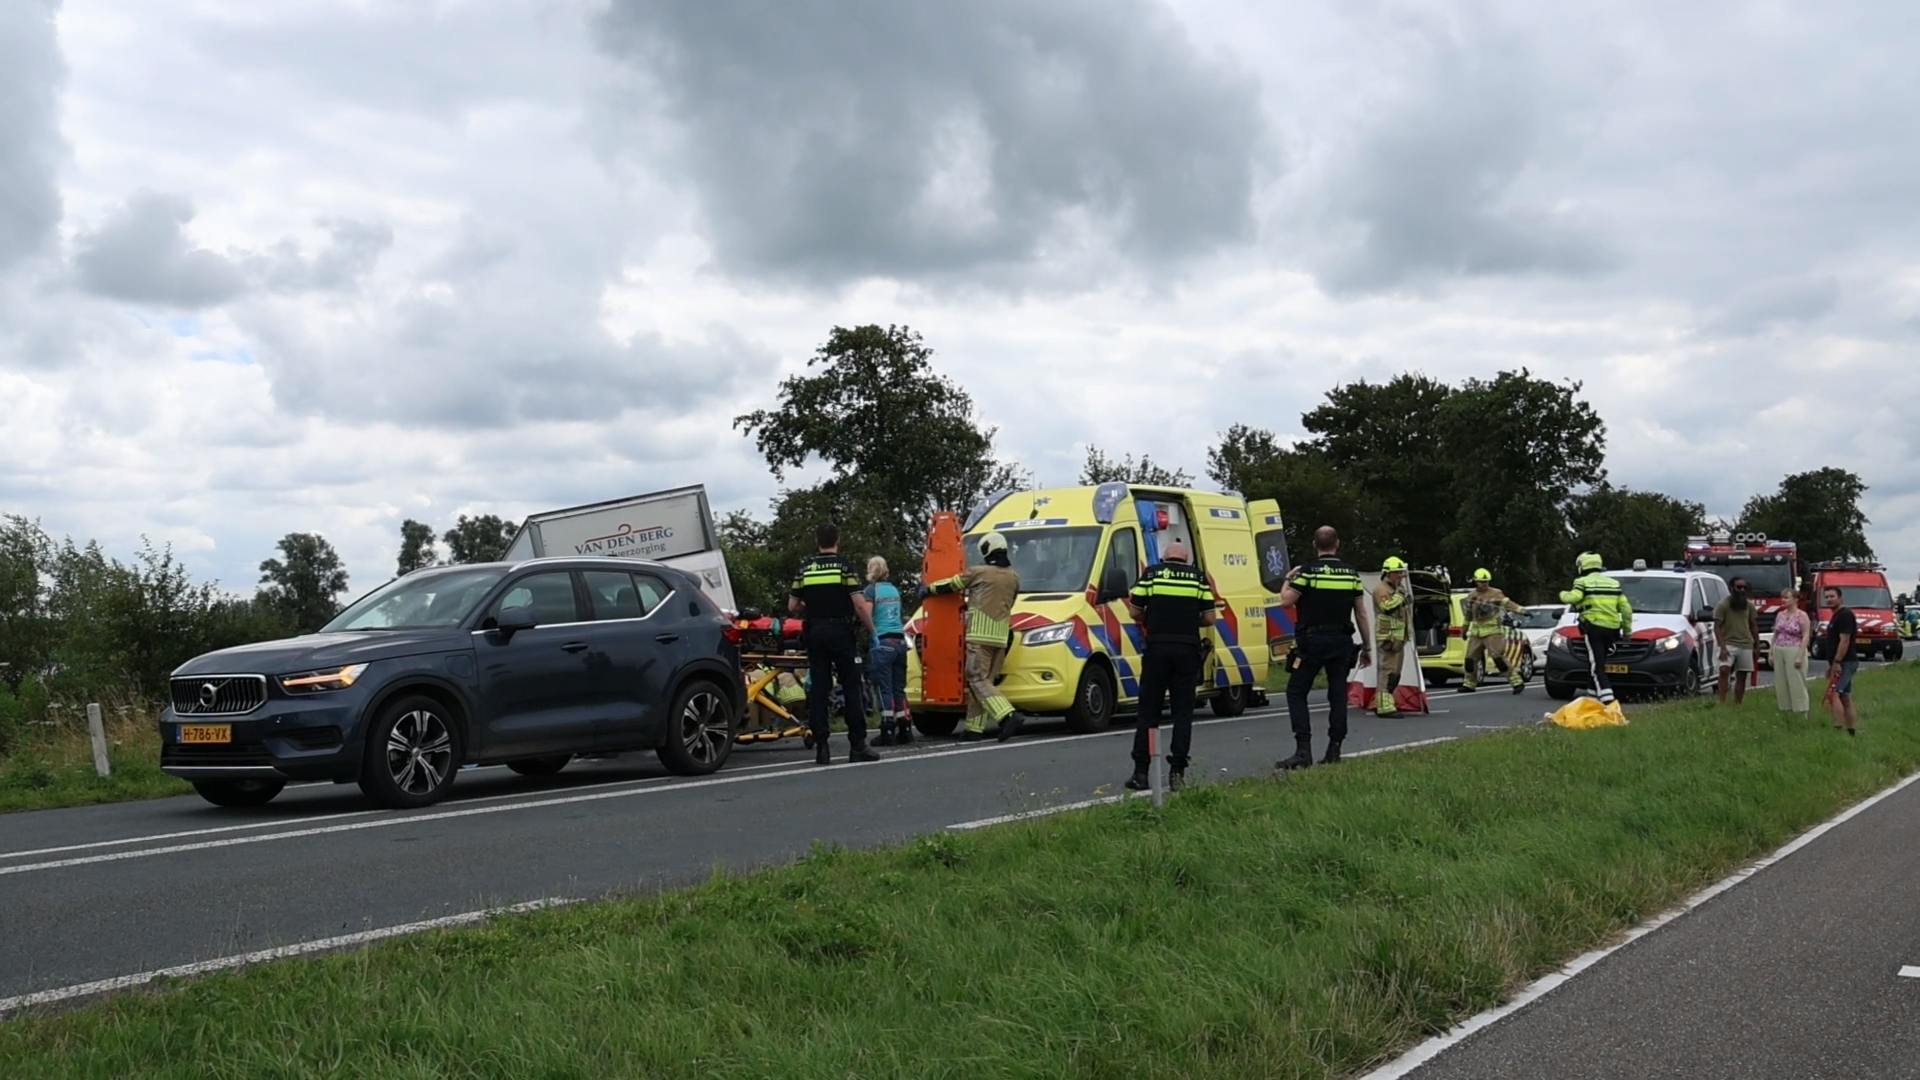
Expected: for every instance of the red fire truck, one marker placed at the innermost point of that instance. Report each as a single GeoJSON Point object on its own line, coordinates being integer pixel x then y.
{"type": "Point", "coordinates": [1863, 587]}
{"type": "Point", "coordinates": [1770, 567]}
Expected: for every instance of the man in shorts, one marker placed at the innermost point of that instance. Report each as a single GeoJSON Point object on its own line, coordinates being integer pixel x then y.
{"type": "Point", "coordinates": [1842, 628]}
{"type": "Point", "coordinates": [1736, 625]}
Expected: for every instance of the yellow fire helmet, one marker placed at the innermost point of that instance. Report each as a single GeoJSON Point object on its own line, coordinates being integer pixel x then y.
{"type": "Point", "coordinates": [1393, 564]}
{"type": "Point", "coordinates": [1483, 574]}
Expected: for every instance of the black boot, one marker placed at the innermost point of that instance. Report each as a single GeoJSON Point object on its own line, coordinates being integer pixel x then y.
{"type": "Point", "coordinates": [1176, 779]}
{"type": "Point", "coordinates": [1333, 754]}
{"type": "Point", "coordinates": [1465, 688]}
{"type": "Point", "coordinates": [970, 735]}
{"type": "Point", "coordinates": [903, 733]}
{"type": "Point", "coordinates": [886, 734]}
{"type": "Point", "coordinates": [861, 753]}
{"type": "Point", "coordinates": [822, 755]}
{"type": "Point", "coordinates": [1138, 781]}
{"type": "Point", "coordinates": [1010, 727]}
{"type": "Point", "coordinates": [1302, 756]}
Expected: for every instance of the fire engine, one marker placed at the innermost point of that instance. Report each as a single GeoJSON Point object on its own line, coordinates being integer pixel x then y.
{"type": "Point", "coordinates": [1771, 568]}
{"type": "Point", "coordinates": [1863, 587]}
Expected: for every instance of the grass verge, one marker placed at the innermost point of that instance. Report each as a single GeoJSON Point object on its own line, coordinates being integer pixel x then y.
{"type": "Point", "coordinates": [52, 765]}
{"type": "Point", "coordinates": [1303, 927]}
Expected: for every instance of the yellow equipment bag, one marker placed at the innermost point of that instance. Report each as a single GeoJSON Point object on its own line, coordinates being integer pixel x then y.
{"type": "Point", "coordinates": [1587, 712]}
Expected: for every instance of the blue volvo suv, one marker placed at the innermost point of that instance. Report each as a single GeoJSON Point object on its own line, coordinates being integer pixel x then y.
{"type": "Point", "coordinates": [524, 664]}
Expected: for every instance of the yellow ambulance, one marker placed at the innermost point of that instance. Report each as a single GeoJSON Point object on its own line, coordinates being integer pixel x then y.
{"type": "Point", "coordinates": [1078, 551]}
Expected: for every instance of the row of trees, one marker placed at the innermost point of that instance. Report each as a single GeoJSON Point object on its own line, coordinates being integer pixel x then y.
{"type": "Point", "coordinates": [1507, 473]}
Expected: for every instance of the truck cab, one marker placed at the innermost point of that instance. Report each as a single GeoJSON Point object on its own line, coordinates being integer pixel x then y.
{"type": "Point", "coordinates": [1771, 569]}
{"type": "Point", "coordinates": [1863, 587]}
{"type": "Point", "coordinates": [1079, 550]}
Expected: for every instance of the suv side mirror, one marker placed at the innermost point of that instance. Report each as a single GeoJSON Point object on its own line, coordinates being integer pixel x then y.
{"type": "Point", "coordinates": [512, 621]}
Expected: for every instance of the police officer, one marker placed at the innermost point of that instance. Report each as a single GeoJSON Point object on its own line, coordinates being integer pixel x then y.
{"type": "Point", "coordinates": [1606, 616]}
{"type": "Point", "coordinates": [1172, 603]}
{"type": "Point", "coordinates": [1486, 635]}
{"type": "Point", "coordinates": [827, 591]}
{"type": "Point", "coordinates": [1330, 598]}
{"type": "Point", "coordinates": [991, 589]}
{"type": "Point", "coordinates": [1392, 627]}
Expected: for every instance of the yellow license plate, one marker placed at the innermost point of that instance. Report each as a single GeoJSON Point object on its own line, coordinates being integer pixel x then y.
{"type": "Point", "coordinates": [1617, 669]}
{"type": "Point", "coordinates": [206, 733]}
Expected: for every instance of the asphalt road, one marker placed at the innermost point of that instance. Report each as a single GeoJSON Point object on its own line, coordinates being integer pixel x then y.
{"type": "Point", "coordinates": [1796, 973]}
{"type": "Point", "coordinates": [109, 891]}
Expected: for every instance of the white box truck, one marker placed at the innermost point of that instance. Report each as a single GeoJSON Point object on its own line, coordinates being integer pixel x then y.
{"type": "Point", "coordinates": [672, 527]}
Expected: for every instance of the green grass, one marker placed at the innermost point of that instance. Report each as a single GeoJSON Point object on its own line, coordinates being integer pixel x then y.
{"type": "Point", "coordinates": [1298, 927]}
{"type": "Point", "coordinates": [54, 767]}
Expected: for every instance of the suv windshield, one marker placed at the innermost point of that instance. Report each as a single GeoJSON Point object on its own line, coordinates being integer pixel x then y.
{"type": "Point", "coordinates": [1048, 560]}
{"type": "Point", "coordinates": [1870, 597]}
{"type": "Point", "coordinates": [1766, 579]}
{"type": "Point", "coordinates": [1654, 595]}
{"type": "Point", "coordinates": [431, 601]}
{"type": "Point", "coordinates": [1541, 618]}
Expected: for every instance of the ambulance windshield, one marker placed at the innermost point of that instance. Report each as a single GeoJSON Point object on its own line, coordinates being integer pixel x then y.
{"type": "Point", "coordinates": [1050, 559]}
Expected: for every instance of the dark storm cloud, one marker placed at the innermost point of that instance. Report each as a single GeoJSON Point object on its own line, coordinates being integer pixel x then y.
{"type": "Point", "coordinates": [142, 255]}
{"type": "Point", "coordinates": [30, 149]}
{"type": "Point", "coordinates": [831, 139]}
{"type": "Point", "coordinates": [352, 249]}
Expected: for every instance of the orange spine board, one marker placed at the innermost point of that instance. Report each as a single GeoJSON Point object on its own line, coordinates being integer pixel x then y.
{"type": "Point", "coordinates": [943, 641]}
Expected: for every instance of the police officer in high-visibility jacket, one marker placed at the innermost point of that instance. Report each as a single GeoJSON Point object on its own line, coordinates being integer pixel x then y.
{"type": "Point", "coordinates": [991, 589]}
{"type": "Point", "coordinates": [1173, 603]}
{"type": "Point", "coordinates": [1393, 625]}
{"type": "Point", "coordinates": [1486, 634]}
{"type": "Point", "coordinates": [827, 592]}
{"type": "Point", "coordinates": [1331, 599]}
{"type": "Point", "coordinates": [1606, 616]}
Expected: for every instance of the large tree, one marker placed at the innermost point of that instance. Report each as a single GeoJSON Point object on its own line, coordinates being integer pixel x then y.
{"type": "Point", "coordinates": [1310, 490]}
{"type": "Point", "coordinates": [1101, 469]}
{"type": "Point", "coordinates": [304, 584]}
{"type": "Point", "coordinates": [1387, 440]}
{"type": "Point", "coordinates": [759, 578]}
{"type": "Point", "coordinates": [479, 539]}
{"type": "Point", "coordinates": [26, 629]}
{"type": "Point", "coordinates": [416, 546]}
{"type": "Point", "coordinates": [1623, 525]}
{"type": "Point", "coordinates": [1520, 449]}
{"type": "Point", "coordinates": [1818, 510]}
{"type": "Point", "coordinates": [898, 438]}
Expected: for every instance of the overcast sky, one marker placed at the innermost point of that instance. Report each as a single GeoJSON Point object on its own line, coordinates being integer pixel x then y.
{"type": "Point", "coordinates": [321, 265]}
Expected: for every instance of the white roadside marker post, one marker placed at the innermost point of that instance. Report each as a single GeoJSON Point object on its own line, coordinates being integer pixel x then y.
{"type": "Point", "coordinates": [97, 730]}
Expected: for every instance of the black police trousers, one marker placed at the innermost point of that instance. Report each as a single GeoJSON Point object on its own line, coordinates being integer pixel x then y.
{"type": "Point", "coordinates": [832, 654]}
{"type": "Point", "coordinates": [1168, 669]}
{"type": "Point", "coordinates": [1312, 654]}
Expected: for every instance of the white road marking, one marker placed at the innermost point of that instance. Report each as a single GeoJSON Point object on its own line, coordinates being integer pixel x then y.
{"type": "Point", "coordinates": [466, 808]}
{"type": "Point", "coordinates": [1910, 972]}
{"type": "Point", "coordinates": [1047, 811]}
{"type": "Point", "coordinates": [126, 982]}
{"type": "Point", "coordinates": [1440, 1044]}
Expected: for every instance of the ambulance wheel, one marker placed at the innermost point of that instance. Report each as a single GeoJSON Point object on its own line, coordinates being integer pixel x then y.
{"type": "Point", "coordinates": [936, 725]}
{"type": "Point", "coordinates": [1231, 701]}
{"type": "Point", "coordinates": [1093, 701]}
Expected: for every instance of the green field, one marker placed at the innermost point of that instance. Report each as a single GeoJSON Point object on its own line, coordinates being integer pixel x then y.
{"type": "Point", "coordinates": [1305, 926]}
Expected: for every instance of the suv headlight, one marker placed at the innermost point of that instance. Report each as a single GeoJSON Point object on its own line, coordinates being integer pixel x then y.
{"type": "Point", "coordinates": [1049, 635]}
{"type": "Point", "coordinates": [319, 682]}
{"type": "Point", "coordinates": [1668, 643]}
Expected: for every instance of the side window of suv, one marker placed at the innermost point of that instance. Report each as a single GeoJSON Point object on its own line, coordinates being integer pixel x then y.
{"type": "Point", "coordinates": [548, 596]}
{"type": "Point", "coordinates": [620, 595]}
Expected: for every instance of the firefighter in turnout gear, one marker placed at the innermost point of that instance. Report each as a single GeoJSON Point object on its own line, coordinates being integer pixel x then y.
{"type": "Point", "coordinates": [1486, 634]}
{"type": "Point", "coordinates": [990, 589]}
{"type": "Point", "coordinates": [1606, 616]}
{"type": "Point", "coordinates": [1173, 602]}
{"type": "Point", "coordinates": [827, 591]}
{"type": "Point", "coordinates": [1392, 627]}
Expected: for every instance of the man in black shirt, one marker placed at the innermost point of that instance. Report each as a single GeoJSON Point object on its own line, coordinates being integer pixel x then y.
{"type": "Point", "coordinates": [1172, 603]}
{"type": "Point", "coordinates": [1843, 662]}
{"type": "Point", "coordinates": [828, 591]}
{"type": "Point", "coordinates": [1330, 598]}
